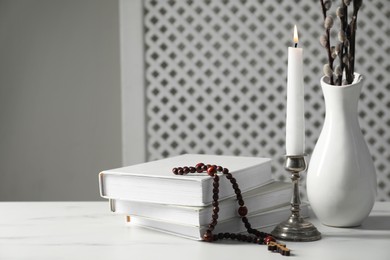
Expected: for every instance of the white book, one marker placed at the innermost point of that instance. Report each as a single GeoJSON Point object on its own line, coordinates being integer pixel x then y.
{"type": "Point", "coordinates": [154, 181]}
{"type": "Point", "coordinates": [261, 221]}
{"type": "Point", "coordinates": [263, 198]}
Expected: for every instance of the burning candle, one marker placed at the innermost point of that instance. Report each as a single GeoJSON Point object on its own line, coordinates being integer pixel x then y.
{"type": "Point", "coordinates": [295, 124]}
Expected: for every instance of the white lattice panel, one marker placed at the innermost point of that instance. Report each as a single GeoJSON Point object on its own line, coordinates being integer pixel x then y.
{"type": "Point", "coordinates": [216, 77]}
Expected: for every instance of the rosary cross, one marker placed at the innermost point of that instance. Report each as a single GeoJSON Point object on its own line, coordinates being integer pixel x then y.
{"type": "Point", "coordinates": [280, 248]}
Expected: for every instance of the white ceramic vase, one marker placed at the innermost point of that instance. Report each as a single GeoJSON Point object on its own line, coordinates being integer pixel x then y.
{"type": "Point", "coordinates": [341, 179]}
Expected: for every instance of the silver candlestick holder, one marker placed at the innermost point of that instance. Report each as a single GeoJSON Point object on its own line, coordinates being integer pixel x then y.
{"type": "Point", "coordinates": [295, 228]}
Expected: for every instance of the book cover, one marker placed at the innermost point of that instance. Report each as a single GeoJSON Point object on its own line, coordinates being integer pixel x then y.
{"type": "Point", "coordinates": [261, 221]}
{"type": "Point", "coordinates": [263, 198]}
{"type": "Point", "coordinates": [154, 181]}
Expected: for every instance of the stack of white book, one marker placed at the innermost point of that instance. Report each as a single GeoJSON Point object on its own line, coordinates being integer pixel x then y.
{"type": "Point", "coordinates": [150, 195]}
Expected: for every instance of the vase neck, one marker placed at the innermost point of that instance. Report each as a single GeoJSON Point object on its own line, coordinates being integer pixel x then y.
{"type": "Point", "coordinates": [342, 99]}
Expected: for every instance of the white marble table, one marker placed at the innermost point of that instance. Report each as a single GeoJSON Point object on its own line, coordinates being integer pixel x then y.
{"type": "Point", "coordinates": [87, 230]}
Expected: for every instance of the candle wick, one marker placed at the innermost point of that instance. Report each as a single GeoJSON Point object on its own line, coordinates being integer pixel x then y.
{"type": "Point", "coordinates": [296, 45]}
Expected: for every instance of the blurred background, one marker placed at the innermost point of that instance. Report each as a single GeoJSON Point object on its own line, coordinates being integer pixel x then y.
{"type": "Point", "coordinates": [90, 85]}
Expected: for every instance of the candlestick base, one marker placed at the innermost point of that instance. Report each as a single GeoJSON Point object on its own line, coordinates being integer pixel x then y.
{"type": "Point", "coordinates": [295, 228]}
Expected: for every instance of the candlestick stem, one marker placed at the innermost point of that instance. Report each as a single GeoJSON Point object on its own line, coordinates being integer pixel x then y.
{"type": "Point", "coordinates": [295, 228]}
{"type": "Point", "coordinates": [295, 200]}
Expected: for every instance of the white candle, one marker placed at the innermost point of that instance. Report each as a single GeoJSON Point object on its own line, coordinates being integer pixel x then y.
{"type": "Point", "coordinates": [295, 124]}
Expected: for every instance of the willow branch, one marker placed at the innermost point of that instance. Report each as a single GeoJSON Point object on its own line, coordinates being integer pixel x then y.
{"type": "Point", "coordinates": [356, 6]}
{"type": "Point", "coordinates": [330, 59]}
{"type": "Point", "coordinates": [343, 50]}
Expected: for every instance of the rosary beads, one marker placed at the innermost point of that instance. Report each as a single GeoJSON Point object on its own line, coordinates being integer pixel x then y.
{"type": "Point", "coordinates": [258, 236]}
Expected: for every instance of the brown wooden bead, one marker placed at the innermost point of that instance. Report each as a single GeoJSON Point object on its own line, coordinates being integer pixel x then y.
{"type": "Point", "coordinates": [215, 209]}
{"type": "Point", "coordinates": [211, 227]}
{"type": "Point", "coordinates": [225, 171]}
{"type": "Point", "coordinates": [192, 169]}
{"type": "Point", "coordinates": [219, 168]}
{"type": "Point", "coordinates": [186, 169]}
{"type": "Point", "coordinates": [250, 239]}
{"type": "Point", "coordinates": [252, 231]}
{"type": "Point", "coordinates": [243, 238]}
{"type": "Point", "coordinates": [248, 226]}
{"type": "Point", "coordinates": [241, 202]}
{"type": "Point", "coordinates": [269, 239]}
{"type": "Point", "coordinates": [215, 190]}
{"type": "Point", "coordinates": [216, 178]}
{"type": "Point", "coordinates": [242, 211]}
{"type": "Point", "coordinates": [211, 171]}
{"type": "Point", "coordinates": [229, 176]}
{"type": "Point", "coordinates": [180, 171]}
{"type": "Point", "coordinates": [175, 171]}
{"type": "Point", "coordinates": [199, 169]}
{"type": "Point", "coordinates": [215, 196]}
{"type": "Point", "coordinates": [199, 165]}
{"type": "Point", "coordinates": [208, 236]}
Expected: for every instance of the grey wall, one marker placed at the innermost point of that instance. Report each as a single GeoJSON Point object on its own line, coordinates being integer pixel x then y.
{"type": "Point", "coordinates": [60, 119]}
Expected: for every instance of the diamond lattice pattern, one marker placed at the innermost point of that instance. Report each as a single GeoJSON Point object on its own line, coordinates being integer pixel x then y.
{"type": "Point", "coordinates": [216, 78]}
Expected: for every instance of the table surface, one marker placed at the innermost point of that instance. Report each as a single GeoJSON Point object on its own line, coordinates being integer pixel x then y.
{"type": "Point", "coordinates": [88, 230]}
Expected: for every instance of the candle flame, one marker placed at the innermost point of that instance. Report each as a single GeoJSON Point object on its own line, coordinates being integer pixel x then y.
{"type": "Point", "coordinates": [295, 35]}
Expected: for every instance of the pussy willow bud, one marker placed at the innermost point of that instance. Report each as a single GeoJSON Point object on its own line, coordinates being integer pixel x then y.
{"type": "Point", "coordinates": [338, 48]}
{"type": "Point", "coordinates": [327, 70]}
{"type": "Point", "coordinates": [327, 4]}
{"type": "Point", "coordinates": [337, 70]}
{"type": "Point", "coordinates": [347, 2]}
{"type": "Point", "coordinates": [323, 41]}
{"type": "Point", "coordinates": [345, 60]}
{"type": "Point", "coordinates": [340, 12]}
{"type": "Point", "coordinates": [333, 52]}
{"type": "Point", "coordinates": [357, 3]}
{"type": "Point", "coordinates": [328, 23]}
{"type": "Point", "coordinates": [341, 36]}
